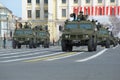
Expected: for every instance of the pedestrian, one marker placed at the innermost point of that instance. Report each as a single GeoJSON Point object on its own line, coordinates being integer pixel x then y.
{"type": "Point", "coordinates": [4, 42]}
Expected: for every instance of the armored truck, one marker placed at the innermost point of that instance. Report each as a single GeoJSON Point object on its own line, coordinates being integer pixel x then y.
{"type": "Point", "coordinates": [79, 33]}
{"type": "Point", "coordinates": [42, 36]}
{"type": "Point", "coordinates": [104, 38]}
{"type": "Point", "coordinates": [23, 36]}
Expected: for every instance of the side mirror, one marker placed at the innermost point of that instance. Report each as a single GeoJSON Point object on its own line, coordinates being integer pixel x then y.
{"type": "Point", "coordinates": [60, 28]}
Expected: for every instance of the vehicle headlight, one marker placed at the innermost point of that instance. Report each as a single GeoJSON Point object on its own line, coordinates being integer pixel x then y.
{"type": "Point", "coordinates": [15, 39]}
{"type": "Point", "coordinates": [86, 36]}
{"type": "Point", "coordinates": [28, 38]}
{"type": "Point", "coordinates": [67, 36]}
{"type": "Point", "coordinates": [104, 39]}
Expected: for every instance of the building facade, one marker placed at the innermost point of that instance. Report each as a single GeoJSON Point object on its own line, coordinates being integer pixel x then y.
{"type": "Point", "coordinates": [35, 11]}
{"type": "Point", "coordinates": [6, 22]}
{"type": "Point", "coordinates": [57, 11]}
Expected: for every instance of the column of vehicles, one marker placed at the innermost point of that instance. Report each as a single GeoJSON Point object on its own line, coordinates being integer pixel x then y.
{"type": "Point", "coordinates": [83, 32]}
{"type": "Point", "coordinates": [31, 37]}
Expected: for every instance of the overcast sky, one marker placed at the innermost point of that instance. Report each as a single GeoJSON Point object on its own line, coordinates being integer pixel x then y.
{"type": "Point", "coordinates": [14, 5]}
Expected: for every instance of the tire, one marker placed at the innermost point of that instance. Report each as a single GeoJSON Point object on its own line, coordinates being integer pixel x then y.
{"type": "Point", "coordinates": [63, 45]}
{"type": "Point", "coordinates": [95, 46]}
{"type": "Point", "coordinates": [19, 46]}
{"type": "Point", "coordinates": [14, 44]}
{"type": "Point", "coordinates": [70, 48]}
{"type": "Point", "coordinates": [31, 44]}
{"type": "Point", "coordinates": [107, 44]}
{"type": "Point", "coordinates": [91, 45]}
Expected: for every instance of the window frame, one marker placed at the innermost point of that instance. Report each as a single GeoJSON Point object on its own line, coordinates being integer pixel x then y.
{"type": "Point", "coordinates": [75, 1]}
{"type": "Point", "coordinates": [37, 14]}
{"type": "Point", "coordinates": [29, 13]}
{"type": "Point", "coordinates": [63, 1]}
{"type": "Point", "coordinates": [112, 1]}
{"type": "Point", "coordinates": [87, 1]}
{"type": "Point", "coordinates": [45, 13]}
{"type": "Point", "coordinates": [37, 1]}
{"type": "Point", "coordinates": [45, 1]}
{"type": "Point", "coordinates": [99, 1]}
{"type": "Point", "coordinates": [29, 1]}
{"type": "Point", "coordinates": [64, 13]}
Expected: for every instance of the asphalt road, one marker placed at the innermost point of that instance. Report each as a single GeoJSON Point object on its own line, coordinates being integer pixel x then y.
{"type": "Point", "coordinates": [53, 64]}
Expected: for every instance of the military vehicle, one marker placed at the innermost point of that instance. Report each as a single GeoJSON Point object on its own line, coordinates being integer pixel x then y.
{"type": "Point", "coordinates": [42, 36]}
{"type": "Point", "coordinates": [103, 37]}
{"type": "Point", "coordinates": [23, 36]}
{"type": "Point", "coordinates": [80, 32]}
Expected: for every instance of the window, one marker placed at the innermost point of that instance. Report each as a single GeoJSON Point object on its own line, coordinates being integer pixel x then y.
{"type": "Point", "coordinates": [63, 12]}
{"type": "Point", "coordinates": [112, 0]}
{"type": "Point", "coordinates": [63, 1]}
{"type": "Point", "coordinates": [45, 13]}
{"type": "Point", "coordinates": [71, 26]}
{"type": "Point", "coordinates": [46, 1]}
{"type": "Point", "coordinates": [37, 13]}
{"type": "Point", "coordinates": [37, 1]}
{"type": "Point", "coordinates": [99, 1]}
{"type": "Point", "coordinates": [28, 1]}
{"type": "Point", "coordinates": [29, 13]}
{"type": "Point", "coordinates": [87, 1]}
{"type": "Point", "coordinates": [75, 1]}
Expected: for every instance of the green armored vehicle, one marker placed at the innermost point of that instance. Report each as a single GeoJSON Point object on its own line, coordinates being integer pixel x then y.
{"type": "Point", "coordinates": [104, 38]}
{"type": "Point", "coordinates": [79, 33]}
{"type": "Point", "coordinates": [23, 36]}
{"type": "Point", "coordinates": [42, 36]}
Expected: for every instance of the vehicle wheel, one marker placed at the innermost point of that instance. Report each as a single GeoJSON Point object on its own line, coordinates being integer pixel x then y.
{"type": "Point", "coordinates": [95, 46]}
{"type": "Point", "coordinates": [63, 45]}
{"type": "Point", "coordinates": [14, 44]}
{"type": "Point", "coordinates": [34, 45]}
{"type": "Point", "coordinates": [91, 44]}
{"type": "Point", "coordinates": [19, 46]}
{"type": "Point", "coordinates": [107, 44]}
{"type": "Point", "coordinates": [70, 48]}
{"type": "Point", "coordinates": [31, 44]}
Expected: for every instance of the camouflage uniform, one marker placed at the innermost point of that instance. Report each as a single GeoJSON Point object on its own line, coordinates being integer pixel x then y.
{"type": "Point", "coordinates": [26, 25]}
{"type": "Point", "coordinates": [81, 16]}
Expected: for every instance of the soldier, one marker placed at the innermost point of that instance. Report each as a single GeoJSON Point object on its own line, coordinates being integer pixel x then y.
{"type": "Point", "coordinates": [81, 16]}
{"type": "Point", "coordinates": [26, 25]}
{"type": "Point", "coordinates": [98, 26]}
{"type": "Point", "coordinates": [20, 25]}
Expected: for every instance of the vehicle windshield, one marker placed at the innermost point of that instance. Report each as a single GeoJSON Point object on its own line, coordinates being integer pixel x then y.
{"type": "Point", "coordinates": [71, 26]}
{"type": "Point", "coordinates": [23, 32]}
{"type": "Point", "coordinates": [42, 33]}
{"type": "Point", "coordinates": [103, 32]}
{"type": "Point", "coordinates": [85, 26]}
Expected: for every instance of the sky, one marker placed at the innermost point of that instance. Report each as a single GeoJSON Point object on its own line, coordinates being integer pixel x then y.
{"type": "Point", "coordinates": [14, 5]}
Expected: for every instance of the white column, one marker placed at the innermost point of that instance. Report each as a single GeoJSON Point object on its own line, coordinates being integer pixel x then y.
{"type": "Point", "coordinates": [42, 9]}
{"type": "Point", "coordinates": [33, 9]}
{"type": "Point", "coordinates": [24, 10]}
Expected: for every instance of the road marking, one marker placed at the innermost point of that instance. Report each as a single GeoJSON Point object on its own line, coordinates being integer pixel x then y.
{"type": "Point", "coordinates": [21, 59]}
{"type": "Point", "coordinates": [65, 56]}
{"type": "Point", "coordinates": [50, 57]}
{"type": "Point", "coordinates": [91, 57]}
{"type": "Point", "coordinates": [23, 55]}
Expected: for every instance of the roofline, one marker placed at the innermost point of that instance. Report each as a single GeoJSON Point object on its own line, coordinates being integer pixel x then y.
{"type": "Point", "coordinates": [6, 9]}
